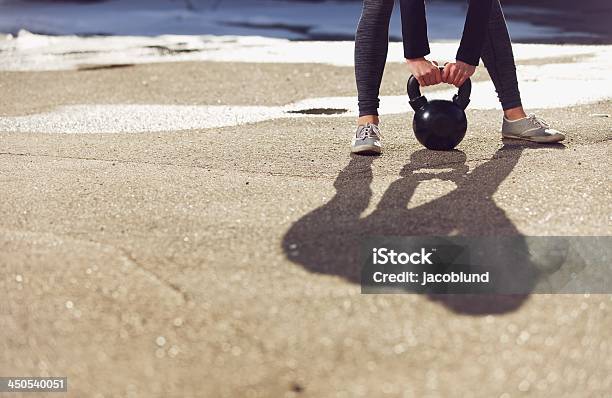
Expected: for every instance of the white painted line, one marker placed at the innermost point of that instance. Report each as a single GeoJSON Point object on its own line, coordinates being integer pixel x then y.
{"type": "Point", "coordinates": [88, 119]}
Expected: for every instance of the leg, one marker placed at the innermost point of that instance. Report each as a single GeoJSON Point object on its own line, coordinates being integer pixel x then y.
{"type": "Point", "coordinates": [371, 46]}
{"type": "Point", "coordinates": [499, 61]}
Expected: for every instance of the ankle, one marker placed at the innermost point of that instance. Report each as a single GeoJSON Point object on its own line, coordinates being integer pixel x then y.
{"type": "Point", "coordinates": [372, 119]}
{"type": "Point", "coordinates": [515, 113]}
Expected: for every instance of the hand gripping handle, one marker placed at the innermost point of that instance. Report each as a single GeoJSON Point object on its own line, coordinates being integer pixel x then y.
{"type": "Point", "coordinates": [417, 100]}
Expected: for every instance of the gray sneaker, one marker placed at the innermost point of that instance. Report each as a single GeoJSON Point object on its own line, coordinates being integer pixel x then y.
{"type": "Point", "coordinates": [531, 128]}
{"type": "Point", "coordinates": [366, 140]}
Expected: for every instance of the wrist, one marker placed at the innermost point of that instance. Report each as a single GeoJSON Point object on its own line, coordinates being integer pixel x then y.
{"type": "Point", "coordinates": [467, 61]}
{"type": "Point", "coordinates": [414, 60]}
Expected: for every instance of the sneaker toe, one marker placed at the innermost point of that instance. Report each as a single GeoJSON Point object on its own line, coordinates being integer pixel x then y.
{"type": "Point", "coordinates": [552, 135]}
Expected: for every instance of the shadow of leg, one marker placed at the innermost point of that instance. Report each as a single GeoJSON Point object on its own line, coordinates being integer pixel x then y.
{"type": "Point", "coordinates": [327, 239]}
{"type": "Point", "coordinates": [475, 213]}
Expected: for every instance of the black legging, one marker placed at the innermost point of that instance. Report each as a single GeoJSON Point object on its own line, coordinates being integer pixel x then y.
{"type": "Point", "coordinates": [372, 43]}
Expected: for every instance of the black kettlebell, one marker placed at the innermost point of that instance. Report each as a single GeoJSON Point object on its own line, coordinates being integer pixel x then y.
{"type": "Point", "coordinates": [439, 124]}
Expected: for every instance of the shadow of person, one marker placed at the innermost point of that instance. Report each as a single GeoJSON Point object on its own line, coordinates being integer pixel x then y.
{"type": "Point", "coordinates": [329, 240]}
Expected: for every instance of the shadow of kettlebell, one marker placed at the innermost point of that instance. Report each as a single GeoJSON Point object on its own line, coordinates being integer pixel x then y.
{"type": "Point", "coordinates": [439, 125]}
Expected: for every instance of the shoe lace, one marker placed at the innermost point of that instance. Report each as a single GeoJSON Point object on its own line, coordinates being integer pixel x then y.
{"type": "Point", "coordinates": [538, 121]}
{"type": "Point", "coordinates": [369, 131]}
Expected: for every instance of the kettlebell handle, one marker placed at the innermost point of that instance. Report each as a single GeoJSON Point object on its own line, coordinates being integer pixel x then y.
{"type": "Point", "coordinates": [417, 100]}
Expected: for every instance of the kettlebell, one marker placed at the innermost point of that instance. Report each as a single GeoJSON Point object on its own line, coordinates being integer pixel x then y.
{"type": "Point", "coordinates": [439, 124]}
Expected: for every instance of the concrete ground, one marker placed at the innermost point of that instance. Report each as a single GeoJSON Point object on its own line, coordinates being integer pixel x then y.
{"type": "Point", "coordinates": [206, 262]}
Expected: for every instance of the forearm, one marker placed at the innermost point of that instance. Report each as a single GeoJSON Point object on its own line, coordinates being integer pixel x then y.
{"type": "Point", "coordinates": [474, 31]}
{"type": "Point", "coordinates": [414, 29]}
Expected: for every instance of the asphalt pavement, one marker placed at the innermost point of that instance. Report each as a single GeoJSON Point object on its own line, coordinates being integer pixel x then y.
{"type": "Point", "coordinates": [219, 262]}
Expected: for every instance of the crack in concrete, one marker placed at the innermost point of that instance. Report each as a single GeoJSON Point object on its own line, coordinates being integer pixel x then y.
{"type": "Point", "coordinates": [123, 252]}
{"type": "Point", "coordinates": [177, 289]}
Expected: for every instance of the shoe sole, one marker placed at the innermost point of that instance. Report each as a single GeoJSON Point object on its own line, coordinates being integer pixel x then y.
{"type": "Point", "coordinates": [367, 150]}
{"type": "Point", "coordinates": [542, 140]}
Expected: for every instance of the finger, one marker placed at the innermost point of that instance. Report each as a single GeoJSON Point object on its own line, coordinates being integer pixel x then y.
{"type": "Point", "coordinates": [446, 74]}
{"type": "Point", "coordinates": [435, 73]}
{"type": "Point", "coordinates": [448, 70]}
{"type": "Point", "coordinates": [431, 77]}
{"type": "Point", "coordinates": [464, 79]}
{"type": "Point", "coordinates": [452, 75]}
{"type": "Point", "coordinates": [458, 78]}
{"type": "Point", "coordinates": [438, 76]}
{"type": "Point", "coordinates": [461, 81]}
{"type": "Point", "coordinates": [434, 76]}
{"type": "Point", "coordinates": [427, 79]}
{"type": "Point", "coordinates": [420, 80]}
